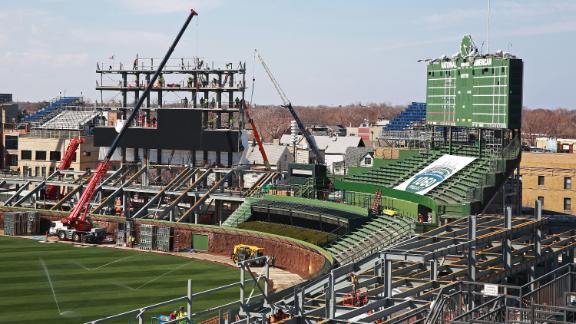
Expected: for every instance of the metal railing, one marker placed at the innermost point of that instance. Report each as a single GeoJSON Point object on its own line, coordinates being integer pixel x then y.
{"type": "Point", "coordinates": [239, 307]}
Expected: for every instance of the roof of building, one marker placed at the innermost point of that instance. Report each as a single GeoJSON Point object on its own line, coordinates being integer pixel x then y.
{"type": "Point", "coordinates": [355, 154]}
{"type": "Point", "coordinates": [329, 144]}
{"type": "Point", "coordinates": [274, 153]}
{"type": "Point", "coordinates": [70, 119]}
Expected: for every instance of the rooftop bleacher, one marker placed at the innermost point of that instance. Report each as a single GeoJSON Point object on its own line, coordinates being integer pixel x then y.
{"type": "Point", "coordinates": [52, 108]}
{"type": "Point", "coordinates": [414, 114]}
{"type": "Point", "coordinates": [70, 120]}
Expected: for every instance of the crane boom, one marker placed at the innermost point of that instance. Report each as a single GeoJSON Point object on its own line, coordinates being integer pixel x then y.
{"type": "Point", "coordinates": [65, 163]}
{"type": "Point", "coordinates": [248, 112]}
{"type": "Point", "coordinates": [77, 217]}
{"type": "Point", "coordinates": [287, 104]}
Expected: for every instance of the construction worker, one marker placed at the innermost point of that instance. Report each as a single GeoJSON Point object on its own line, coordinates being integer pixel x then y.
{"type": "Point", "coordinates": [213, 103]}
{"type": "Point", "coordinates": [131, 241]}
{"type": "Point", "coordinates": [190, 82]}
{"type": "Point", "coordinates": [181, 314]}
{"type": "Point", "coordinates": [354, 280]}
{"type": "Point", "coordinates": [185, 101]}
{"type": "Point", "coordinates": [161, 81]}
{"type": "Point", "coordinates": [237, 102]}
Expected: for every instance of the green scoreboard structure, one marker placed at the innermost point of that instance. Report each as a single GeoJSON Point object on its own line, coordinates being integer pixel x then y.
{"type": "Point", "coordinates": [474, 90]}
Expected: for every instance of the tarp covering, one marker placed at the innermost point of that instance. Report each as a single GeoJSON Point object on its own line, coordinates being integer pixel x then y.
{"type": "Point", "coordinates": [435, 173]}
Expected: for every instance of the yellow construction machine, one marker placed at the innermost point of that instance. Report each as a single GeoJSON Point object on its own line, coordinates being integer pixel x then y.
{"type": "Point", "coordinates": [243, 252]}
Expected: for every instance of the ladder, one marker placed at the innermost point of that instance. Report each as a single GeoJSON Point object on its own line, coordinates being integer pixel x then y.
{"type": "Point", "coordinates": [376, 203]}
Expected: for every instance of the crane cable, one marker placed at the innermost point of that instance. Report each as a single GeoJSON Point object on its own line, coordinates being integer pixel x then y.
{"type": "Point", "coordinates": [253, 77]}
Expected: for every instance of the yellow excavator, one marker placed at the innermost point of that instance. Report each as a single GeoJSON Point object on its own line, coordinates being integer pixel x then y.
{"type": "Point", "coordinates": [243, 252]}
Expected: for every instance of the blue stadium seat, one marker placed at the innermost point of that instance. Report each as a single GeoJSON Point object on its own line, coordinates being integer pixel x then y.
{"type": "Point", "coordinates": [52, 107]}
{"type": "Point", "coordinates": [415, 113]}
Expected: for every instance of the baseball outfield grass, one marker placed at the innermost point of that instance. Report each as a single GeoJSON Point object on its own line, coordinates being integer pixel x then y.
{"type": "Point", "coordinates": [63, 283]}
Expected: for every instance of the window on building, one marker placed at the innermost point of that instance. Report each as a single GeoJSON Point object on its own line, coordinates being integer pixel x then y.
{"type": "Point", "coordinates": [12, 159]}
{"type": "Point", "coordinates": [540, 180]}
{"type": "Point", "coordinates": [41, 155]}
{"type": "Point", "coordinates": [367, 160]}
{"type": "Point", "coordinates": [567, 183]}
{"type": "Point", "coordinates": [541, 198]}
{"type": "Point", "coordinates": [55, 156]}
{"type": "Point", "coordinates": [37, 171]}
{"type": "Point", "coordinates": [568, 204]}
{"type": "Point", "coordinates": [11, 142]}
{"type": "Point", "coordinates": [74, 157]}
{"type": "Point", "coordinates": [26, 155]}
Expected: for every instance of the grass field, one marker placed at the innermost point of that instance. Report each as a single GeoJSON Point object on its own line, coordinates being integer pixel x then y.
{"type": "Point", "coordinates": [304, 234]}
{"type": "Point", "coordinates": [93, 282]}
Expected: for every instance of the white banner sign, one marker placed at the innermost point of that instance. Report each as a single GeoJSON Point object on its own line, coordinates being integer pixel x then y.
{"type": "Point", "coordinates": [490, 290]}
{"type": "Point", "coordinates": [435, 173]}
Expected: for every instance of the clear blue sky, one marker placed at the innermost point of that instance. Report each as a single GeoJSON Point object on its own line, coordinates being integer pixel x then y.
{"type": "Point", "coordinates": [322, 52]}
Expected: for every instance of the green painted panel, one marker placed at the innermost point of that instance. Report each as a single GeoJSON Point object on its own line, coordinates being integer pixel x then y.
{"type": "Point", "coordinates": [200, 242]}
{"type": "Point", "coordinates": [405, 201]}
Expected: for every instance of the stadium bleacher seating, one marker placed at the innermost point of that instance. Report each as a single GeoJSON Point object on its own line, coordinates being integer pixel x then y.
{"type": "Point", "coordinates": [380, 232]}
{"type": "Point", "coordinates": [69, 119]}
{"type": "Point", "coordinates": [51, 109]}
{"type": "Point", "coordinates": [415, 113]}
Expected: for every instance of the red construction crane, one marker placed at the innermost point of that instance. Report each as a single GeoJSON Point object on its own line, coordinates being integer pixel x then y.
{"type": "Point", "coordinates": [248, 112]}
{"type": "Point", "coordinates": [76, 226]}
{"type": "Point", "coordinates": [51, 190]}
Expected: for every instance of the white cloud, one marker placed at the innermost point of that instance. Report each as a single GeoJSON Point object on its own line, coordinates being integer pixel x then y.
{"type": "Point", "coordinates": [151, 7]}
